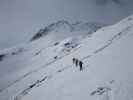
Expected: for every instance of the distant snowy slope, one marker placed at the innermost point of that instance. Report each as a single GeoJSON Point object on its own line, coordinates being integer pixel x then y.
{"type": "Point", "coordinates": [63, 26]}
{"type": "Point", "coordinates": [48, 73]}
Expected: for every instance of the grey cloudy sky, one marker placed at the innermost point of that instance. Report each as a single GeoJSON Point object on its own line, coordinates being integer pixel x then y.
{"type": "Point", "coordinates": [20, 19]}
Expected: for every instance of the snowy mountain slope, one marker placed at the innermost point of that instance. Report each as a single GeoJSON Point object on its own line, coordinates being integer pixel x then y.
{"type": "Point", "coordinates": [107, 57]}
{"type": "Point", "coordinates": [110, 81]}
{"type": "Point", "coordinates": [32, 52]}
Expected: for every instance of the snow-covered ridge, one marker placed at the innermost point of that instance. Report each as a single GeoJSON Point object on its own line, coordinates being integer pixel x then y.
{"type": "Point", "coordinates": [48, 73]}
{"type": "Point", "coordinates": [65, 26]}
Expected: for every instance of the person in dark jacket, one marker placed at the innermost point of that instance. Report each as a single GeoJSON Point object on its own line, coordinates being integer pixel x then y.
{"type": "Point", "coordinates": [73, 60]}
{"type": "Point", "coordinates": [76, 62]}
{"type": "Point", "coordinates": [81, 65]}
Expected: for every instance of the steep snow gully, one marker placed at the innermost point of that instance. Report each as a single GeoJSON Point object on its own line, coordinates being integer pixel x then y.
{"type": "Point", "coordinates": [58, 79]}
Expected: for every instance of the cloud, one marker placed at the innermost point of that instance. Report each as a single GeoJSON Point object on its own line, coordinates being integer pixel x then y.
{"type": "Point", "coordinates": [103, 2]}
{"type": "Point", "coordinates": [20, 19]}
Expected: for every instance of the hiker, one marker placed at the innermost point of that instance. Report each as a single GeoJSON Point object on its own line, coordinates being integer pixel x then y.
{"type": "Point", "coordinates": [73, 60]}
{"type": "Point", "coordinates": [76, 62]}
{"type": "Point", "coordinates": [81, 65]}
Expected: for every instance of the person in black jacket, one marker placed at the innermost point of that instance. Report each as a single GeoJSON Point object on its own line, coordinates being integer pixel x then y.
{"type": "Point", "coordinates": [74, 59]}
{"type": "Point", "coordinates": [81, 65]}
{"type": "Point", "coordinates": [76, 62]}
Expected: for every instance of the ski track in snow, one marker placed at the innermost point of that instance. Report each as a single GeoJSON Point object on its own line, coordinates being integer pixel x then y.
{"type": "Point", "coordinates": [38, 83]}
{"type": "Point", "coordinates": [109, 42]}
{"type": "Point", "coordinates": [101, 91]}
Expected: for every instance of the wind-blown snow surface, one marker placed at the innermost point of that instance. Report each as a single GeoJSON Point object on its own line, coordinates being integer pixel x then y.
{"type": "Point", "coordinates": [50, 74]}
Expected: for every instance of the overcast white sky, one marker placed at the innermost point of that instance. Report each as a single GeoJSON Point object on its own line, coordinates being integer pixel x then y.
{"type": "Point", "coordinates": [20, 19]}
